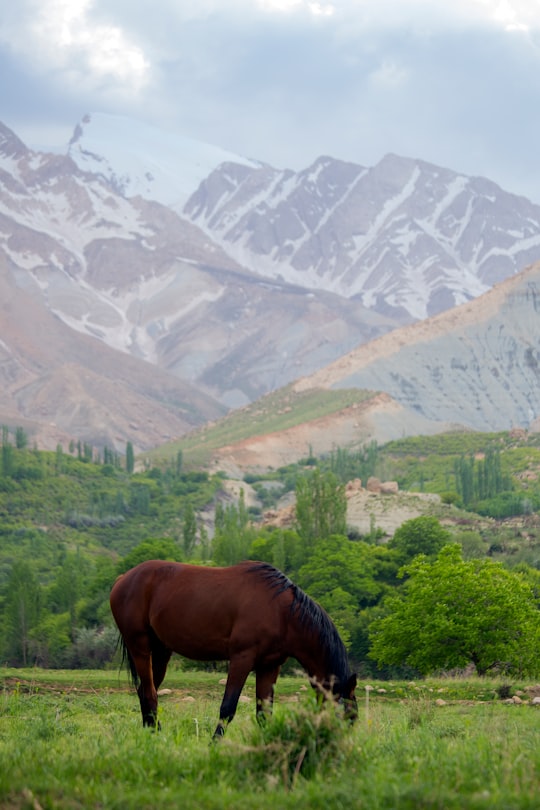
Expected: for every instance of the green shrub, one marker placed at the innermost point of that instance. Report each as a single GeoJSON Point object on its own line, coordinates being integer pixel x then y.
{"type": "Point", "coordinates": [303, 741]}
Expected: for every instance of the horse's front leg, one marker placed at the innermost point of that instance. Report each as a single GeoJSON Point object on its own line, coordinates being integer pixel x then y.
{"type": "Point", "coordinates": [266, 678]}
{"type": "Point", "coordinates": [239, 669]}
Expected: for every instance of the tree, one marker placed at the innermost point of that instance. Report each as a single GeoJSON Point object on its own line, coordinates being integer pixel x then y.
{"type": "Point", "coordinates": [420, 535]}
{"type": "Point", "coordinates": [338, 561]}
{"type": "Point", "coordinates": [21, 439]}
{"type": "Point", "coordinates": [66, 590]}
{"type": "Point", "coordinates": [21, 613]}
{"type": "Point", "coordinates": [130, 458]}
{"type": "Point", "coordinates": [233, 533]}
{"type": "Point", "coordinates": [156, 549]}
{"type": "Point", "coordinates": [321, 507]}
{"type": "Point", "coordinates": [179, 462]}
{"type": "Point", "coordinates": [451, 612]}
{"type": "Point", "coordinates": [189, 529]}
{"type": "Point", "coordinates": [7, 452]}
{"type": "Point", "coordinates": [340, 574]}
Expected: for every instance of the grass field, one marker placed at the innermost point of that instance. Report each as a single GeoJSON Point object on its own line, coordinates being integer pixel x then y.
{"type": "Point", "coordinates": [75, 740]}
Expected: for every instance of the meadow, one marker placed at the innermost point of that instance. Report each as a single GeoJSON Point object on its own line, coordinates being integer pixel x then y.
{"type": "Point", "coordinates": [74, 739]}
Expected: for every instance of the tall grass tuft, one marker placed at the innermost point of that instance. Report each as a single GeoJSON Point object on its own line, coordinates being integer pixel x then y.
{"type": "Point", "coordinates": [296, 742]}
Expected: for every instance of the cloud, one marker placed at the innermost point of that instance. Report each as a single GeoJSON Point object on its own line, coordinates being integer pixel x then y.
{"type": "Point", "coordinates": [287, 80]}
{"type": "Point", "coordinates": [62, 37]}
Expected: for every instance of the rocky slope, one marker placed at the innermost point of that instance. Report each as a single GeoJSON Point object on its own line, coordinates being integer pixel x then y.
{"type": "Point", "coordinates": [61, 385]}
{"type": "Point", "coordinates": [475, 367]}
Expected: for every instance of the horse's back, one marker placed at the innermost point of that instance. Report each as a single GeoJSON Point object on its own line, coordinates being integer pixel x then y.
{"type": "Point", "coordinates": [199, 611]}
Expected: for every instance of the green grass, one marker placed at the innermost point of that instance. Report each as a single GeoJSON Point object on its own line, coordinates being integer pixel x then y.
{"type": "Point", "coordinates": [75, 740]}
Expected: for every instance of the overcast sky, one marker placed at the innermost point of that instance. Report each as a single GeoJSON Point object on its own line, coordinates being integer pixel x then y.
{"type": "Point", "coordinates": [454, 82]}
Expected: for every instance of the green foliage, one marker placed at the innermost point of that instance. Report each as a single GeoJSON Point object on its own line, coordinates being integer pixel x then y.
{"type": "Point", "coordinates": [342, 576]}
{"type": "Point", "coordinates": [159, 549]}
{"type": "Point", "coordinates": [22, 607]}
{"type": "Point", "coordinates": [233, 533]}
{"type": "Point", "coordinates": [338, 562]}
{"type": "Point", "coordinates": [481, 479]}
{"type": "Point", "coordinates": [421, 535]}
{"type": "Point", "coordinates": [130, 458]}
{"type": "Point", "coordinates": [321, 507]}
{"type": "Point", "coordinates": [189, 530]}
{"type": "Point", "coordinates": [473, 546]}
{"type": "Point", "coordinates": [66, 523]}
{"type": "Point", "coordinates": [451, 612]}
{"type": "Point", "coordinates": [349, 464]}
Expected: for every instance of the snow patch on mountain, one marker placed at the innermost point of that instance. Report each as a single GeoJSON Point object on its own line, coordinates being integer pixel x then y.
{"type": "Point", "coordinates": [139, 159]}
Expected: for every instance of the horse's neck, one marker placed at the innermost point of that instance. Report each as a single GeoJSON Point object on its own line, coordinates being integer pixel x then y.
{"type": "Point", "coordinates": [308, 653]}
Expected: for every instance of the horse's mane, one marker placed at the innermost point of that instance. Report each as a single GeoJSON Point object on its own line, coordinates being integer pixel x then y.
{"type": "Point", "coordinates": [311, 616]}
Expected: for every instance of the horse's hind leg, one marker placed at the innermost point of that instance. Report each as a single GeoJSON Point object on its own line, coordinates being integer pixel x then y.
{"type": "Point", "coordinates": [160, 660]}
{"type": "Point", "coordinates": [139, 650]}
{"type": "Point", "coordinates": [146, 690]}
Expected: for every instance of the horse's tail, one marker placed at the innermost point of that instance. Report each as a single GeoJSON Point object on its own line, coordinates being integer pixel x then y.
{"type": "Point", "coordinates": [128, 661]}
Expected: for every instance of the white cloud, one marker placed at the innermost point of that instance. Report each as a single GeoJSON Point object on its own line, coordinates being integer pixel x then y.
{"type": "Point", "coordinates": [324, 9]}
{"type": "Point", "coordinates": [62, 35]}
{"type": "Point", "coordinates": [389, 75]}
{"type": "Point", "coordinates": [456, 83]}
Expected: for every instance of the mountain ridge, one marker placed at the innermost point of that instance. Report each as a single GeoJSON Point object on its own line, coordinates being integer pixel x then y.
{"type": "Point", "coordinates": [205, 304]}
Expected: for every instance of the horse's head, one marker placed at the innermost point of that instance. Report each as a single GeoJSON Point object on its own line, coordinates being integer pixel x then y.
{"type": "Point", "coordinates": [343, 693]}
{"type": "Point", "coordinates": [347, 698]}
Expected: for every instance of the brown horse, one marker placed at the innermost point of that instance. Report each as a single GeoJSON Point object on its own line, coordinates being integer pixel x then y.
{"type": "Point", "coordinates": [249, 614]}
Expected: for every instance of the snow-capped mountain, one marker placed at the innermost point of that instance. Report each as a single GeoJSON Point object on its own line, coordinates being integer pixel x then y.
{"type": "Point", "coordinates": [406, 238]}
{"type": "Point", "coordinates": [138, 159]}
{"type": "Point", "coordinates": [266, 276]}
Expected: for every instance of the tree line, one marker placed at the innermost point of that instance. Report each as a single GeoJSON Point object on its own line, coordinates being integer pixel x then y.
{"type": "Point", "coordinates": [427, 600]}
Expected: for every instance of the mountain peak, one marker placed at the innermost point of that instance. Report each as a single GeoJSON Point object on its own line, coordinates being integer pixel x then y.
{"type": "Point", "coordinates": [139, 159]}
{"type": "Point", "coordinates": [10, 145]}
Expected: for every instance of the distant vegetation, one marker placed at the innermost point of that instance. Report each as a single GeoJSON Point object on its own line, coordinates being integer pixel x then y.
{"type": "Point", "coordinates": [73, 520]}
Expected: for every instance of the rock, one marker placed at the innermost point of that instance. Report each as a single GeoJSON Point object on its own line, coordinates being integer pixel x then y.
{"type": "Point", "coordinates": [373, 484]}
